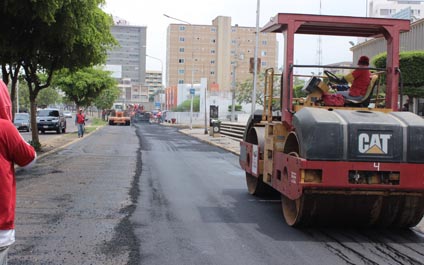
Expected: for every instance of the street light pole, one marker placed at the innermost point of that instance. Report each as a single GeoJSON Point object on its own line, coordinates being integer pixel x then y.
{"type": "Point", "coordinates": [255, 61]}
{"type": "Point", "coordinates": [161, 73]}
{"type": "Point", "coordinates": [192, 64]}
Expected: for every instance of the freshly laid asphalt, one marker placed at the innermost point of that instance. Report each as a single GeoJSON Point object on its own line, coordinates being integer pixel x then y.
{"type": "Point", "coordinates": [221, 141]}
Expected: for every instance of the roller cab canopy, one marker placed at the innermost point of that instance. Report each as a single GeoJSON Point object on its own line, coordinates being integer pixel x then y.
{"type": "Point", "coordinates": [336, 25]}
{"type": "Point", "coordinates": [291, 24]}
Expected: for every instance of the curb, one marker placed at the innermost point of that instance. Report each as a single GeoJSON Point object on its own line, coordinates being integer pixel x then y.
{"type": "Point", "coordinates": [209, 142]}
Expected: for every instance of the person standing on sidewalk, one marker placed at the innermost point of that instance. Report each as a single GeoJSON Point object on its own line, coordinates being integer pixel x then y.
{"type": "Point", "coordinates": [79, 122]}
{"type": "Point", "coordinates": [13, 149]}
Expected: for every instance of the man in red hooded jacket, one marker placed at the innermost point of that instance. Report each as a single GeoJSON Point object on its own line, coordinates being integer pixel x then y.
{"type": "Point", "coordinates": [13, 150]}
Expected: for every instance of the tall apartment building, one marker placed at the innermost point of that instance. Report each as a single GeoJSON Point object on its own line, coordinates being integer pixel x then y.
{"type": "Point", "coordinates": [407, 9]}
{"type": "Point", "coordinates": [153, 82]}
{"type": "Point", "coordinates": [127, 61]}
{"type": "Point", "coordinates": [197, 51]}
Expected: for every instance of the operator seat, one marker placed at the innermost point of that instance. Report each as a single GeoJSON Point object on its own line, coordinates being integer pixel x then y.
{"type": "Point", "coordinates": [365, 100]}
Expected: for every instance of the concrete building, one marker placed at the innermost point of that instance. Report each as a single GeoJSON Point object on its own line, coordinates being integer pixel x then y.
{"type": "Point", "coordinates": [209, 51]}
{"type": "Point", "coordinates": [406, 9]}
{"type": "Point", "coordinates": [339, 71]}
{"type": "Point", "coordinates": [127, 61]}
{"type": "Point", "coordinates": [153, 82]}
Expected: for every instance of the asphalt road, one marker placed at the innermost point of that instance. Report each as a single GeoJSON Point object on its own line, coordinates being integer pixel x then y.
{"type": "Point", "coordinates": [194, 209]}
{"type": "Point", "coordinates": [71, 205]}
{"type": "Point", "coordinates": [151, 195]}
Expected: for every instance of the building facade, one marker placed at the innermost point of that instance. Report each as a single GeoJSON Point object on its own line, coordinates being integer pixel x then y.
{"type": "Point", "coordinates": [127, 61]}
{"type": "Point", "coordinates": [407, 9]}
{"type": "Point", "coordinates": [154, 82]}
{"type": "Point", "coordinates": [211, 51]}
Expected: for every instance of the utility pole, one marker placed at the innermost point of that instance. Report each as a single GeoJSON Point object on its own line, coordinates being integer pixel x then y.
{"type": "Point", "coordinates": [255, 67]}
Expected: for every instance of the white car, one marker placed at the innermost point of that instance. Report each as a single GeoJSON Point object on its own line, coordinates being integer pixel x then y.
{"type": "Point", "coordinates": [67, 114]}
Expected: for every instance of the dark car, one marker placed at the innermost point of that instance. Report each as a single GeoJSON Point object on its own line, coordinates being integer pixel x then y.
{"type": "Point", "coordinates": [51, 120]}
{"type": "Point", "coordinates": [22, 121]}
{"type": "Point", "coordinates": [142, 116]}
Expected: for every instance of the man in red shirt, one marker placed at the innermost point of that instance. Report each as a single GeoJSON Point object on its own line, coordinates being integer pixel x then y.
{"type": "Point", "coordinates": [360, 79]}
{"type": "Point", "coordinates": [80, 122]}
{"type": "Point", "coordinates": [13, 149]}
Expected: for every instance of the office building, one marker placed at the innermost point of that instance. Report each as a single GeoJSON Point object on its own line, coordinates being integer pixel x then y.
{"type": "Point", "coordinates": [127, 61]}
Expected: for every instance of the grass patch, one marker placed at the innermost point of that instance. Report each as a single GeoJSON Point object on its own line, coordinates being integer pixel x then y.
{"type": "Point", "coordinates": [95, 123]}
{"type": "Point", "coordinates": [98, 122]}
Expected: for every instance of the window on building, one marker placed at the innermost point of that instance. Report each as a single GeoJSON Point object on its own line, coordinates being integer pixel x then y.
{"type": "Point", "coordinates": [181, 71]}
{"type": "Point", "coordinates": [181, 60]}
{"type": "Point", "coordinates": [181, 49]}
{"type": "Point", "coordinates": [264, 42]}
{"type": "Point", "coordinates": [263, 53]}
{"type": "Point", "coordinates": [264, 64]}
{"type": "Point", "coordinates": [213, 51]}
{"type": "Point", "coordinates": [180, 81]}
{"type": "Point", "coordinates": [212, 61]}
{"type": "Point", "coordinates": [213, 29]}
{"type": "Point", "coordinates": [182, 28]}
{"type": "Point", "coordinates": [213, 41]}
{"type": "Point", "coordinates": [182, 39]}
{"type": "Point", "coordinates": [212, 72]}
{"type": "Point", "coordinates": [387, 12]}
{"type": "Point", "coordinates": [234, 42]}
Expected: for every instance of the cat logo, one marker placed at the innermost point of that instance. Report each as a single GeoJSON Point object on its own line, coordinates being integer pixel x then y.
{"type": "Point", "coordinates": [375, 144]}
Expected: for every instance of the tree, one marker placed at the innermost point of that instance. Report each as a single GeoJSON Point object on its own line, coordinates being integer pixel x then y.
{"type": "Point", "coordinates": [410, 64]}
{"type": "Point", "coordinates": [185, 106]}
{"type": "Point", "coordinates": [83, 86]}
{"type": "Point", "coordinates": [48, 97]}
{"type": "Point", "coordinates": [45, 36]}
{"type": "Point", "coordinates": [244, 90]}
{"type": "Point", "coordinates": [107, 97]}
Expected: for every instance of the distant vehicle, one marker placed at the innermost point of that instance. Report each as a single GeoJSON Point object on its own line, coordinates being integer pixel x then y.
{"type": "Point", "coordinates": [67, 114]}
{"type": "Point", "coordinates": [51, 120]}
{"type": "Point", "coordinates": [22, 121]}
{"type": "Point", "coordinates": [119, 115]}
{"type": "Point", "coordinates": [142, 116]}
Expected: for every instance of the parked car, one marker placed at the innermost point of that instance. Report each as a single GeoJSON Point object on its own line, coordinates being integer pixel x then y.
{"type": "Point", "coordinates": [51, 120]}
{"type": "Point", "coordinates": [22, 121]}
{"type": "Point", "coordinates": [67, 114]}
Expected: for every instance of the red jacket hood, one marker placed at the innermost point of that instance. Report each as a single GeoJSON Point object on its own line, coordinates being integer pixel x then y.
{"type": "Point", "coordinates": [5, 103]}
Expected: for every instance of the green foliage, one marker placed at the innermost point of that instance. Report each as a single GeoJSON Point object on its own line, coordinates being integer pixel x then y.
{"type": "Point", "coordinates": [46, 36]}
{"type": "Point", "coordinates": [96, 122]}
{"type": "Point", "coordinates": [107, 97]}
{"type": "Point", "coordinates": [236, 107]}
{"type": "Point", "coordinates": [185, 106]}
{"type": "Point", "coordinates": [47, 97]}
{"type": "Point", "coordinates": [410, 63]}
{"type": "Point", "coordinates": [85, 85]}
{"type": "Point", "coordinates": [297, 91]}
{"type": "Point", "coordinates": [244, 90]}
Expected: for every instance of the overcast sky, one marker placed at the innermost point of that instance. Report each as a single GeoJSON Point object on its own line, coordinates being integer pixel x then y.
{"type": "Point", "coordinates": [243, 12]}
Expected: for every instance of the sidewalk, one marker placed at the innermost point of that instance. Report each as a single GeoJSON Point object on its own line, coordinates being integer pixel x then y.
{"type": "Point", "coordinates": [221, 141]}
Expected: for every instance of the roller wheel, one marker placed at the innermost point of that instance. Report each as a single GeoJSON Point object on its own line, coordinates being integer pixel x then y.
{"type": "Point", "coordinates": [292, 210]}
{"type": "Point", "coordinates": [257, 187]}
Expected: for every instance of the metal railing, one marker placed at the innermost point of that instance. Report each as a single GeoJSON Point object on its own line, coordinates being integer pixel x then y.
{"type": "Point", "coordinates": [233, 130]}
